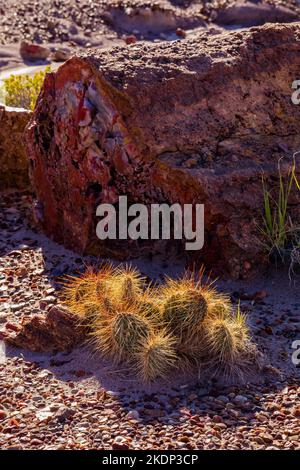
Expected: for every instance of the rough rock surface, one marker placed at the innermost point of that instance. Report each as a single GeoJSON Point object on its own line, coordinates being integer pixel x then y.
{"type": "Point", "coordinates": [13, 159]}
{"type": "Point", "coordinates": [33, 52]}
{"type": "Point", "coordinates": [72, 401]}
{"type": "Point", "coordinates": [58, 330]}
{"type": "Point", "coordinates": [191, 121]}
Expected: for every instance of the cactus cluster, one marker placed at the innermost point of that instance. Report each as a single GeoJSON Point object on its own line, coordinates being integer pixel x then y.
{"type": "Point", "coordinates": [182, 323]}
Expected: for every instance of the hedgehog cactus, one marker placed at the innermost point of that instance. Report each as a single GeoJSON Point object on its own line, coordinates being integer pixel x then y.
{"type": "Point", "coordinates": [189, 349]}
{"type": "Point", "coordinates": [101, 287]}
{"type": "Point", "coordinates": [148, 304]}
{"type": "Point", "coordinates": [149, 309]}
{"type": "Point", "coordinates": [156, 357]}
{"type": "Point", "coordinates": [222, 340]}
{"type": "Point", "coordinates": [128, 330]}
{"type": "Point", "coordinates": [108, 306]}
{"type": "Point", "coordinates": [104, 280]}
{"type": "Point", "coordinates": [88, 312]}
{"type": "Point", "coordinates": [86, 288]}
{"type": "Point", "coordinates": [96, 312]}
{"type": "Point", "coordinates": [128, 290]}
{"type": "Point", "coordinates": [76, 289]}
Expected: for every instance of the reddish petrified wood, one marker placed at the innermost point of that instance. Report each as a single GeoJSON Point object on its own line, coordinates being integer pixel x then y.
{"type": "Point", "coordinates": [188, 121]}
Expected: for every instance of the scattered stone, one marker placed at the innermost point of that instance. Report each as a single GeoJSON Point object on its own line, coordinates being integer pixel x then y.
{"type": "Point", "coordinates": [17, 307]}
{"type": "Point", "coordinates": [267, 438]}
{"type": "Point", "coordinates": [260, 295]}
{"type": "Point", "coordinates": [61, 55]}
{"type": "Point", "coordinates": [3, 414]}
{"type": "Point", "coordinates": [44, 415]}
{"type": "Point", "coordinates": [36, 442]}
{"type": "Point", "coordinates": [33, 52]}
{"type": "Point", "coordinates": [50, 299]}
{"type": "Point", "coordinates": [223, 399]}
{"type": "Point", "coordinates": [65, 414]}
{"type": "Point", "coordinates": [217, 419]}
{"type": "Point", "coordinates": [3, 317]}
{"type": "Point", "coordinates": [296, 411]}
{"type": "Point", "coordinates": [240, 400]}
{"type": "Point", "coordinates": [193, 396]}
{"type": "Point", "coordinates": [154, 413]}
{"type": "Point", "coordinates": [22, 271]}
{"type": "Point", "coordinates": [117, 446]}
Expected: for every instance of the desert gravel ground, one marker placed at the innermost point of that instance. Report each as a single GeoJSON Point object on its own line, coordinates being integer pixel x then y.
{"type": "Point", "coordinates": [75, 25]}
{"type": "Point", "coordinates": [74, 401]}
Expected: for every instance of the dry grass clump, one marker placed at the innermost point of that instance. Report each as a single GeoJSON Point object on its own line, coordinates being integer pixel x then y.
{"type": "Point", "coordinates": [182, 324]}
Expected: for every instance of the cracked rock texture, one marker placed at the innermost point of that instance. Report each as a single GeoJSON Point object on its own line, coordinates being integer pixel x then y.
{"type": "Point", "coordinates": [192, 121]}
{"type": "Point", "coordinates": [13, 160]}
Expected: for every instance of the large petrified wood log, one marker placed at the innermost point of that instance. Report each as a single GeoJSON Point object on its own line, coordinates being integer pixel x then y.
{"type": "Point", "coordinates": [13, 159]}
{"type": "Point", "coordinates": [189, 121]}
